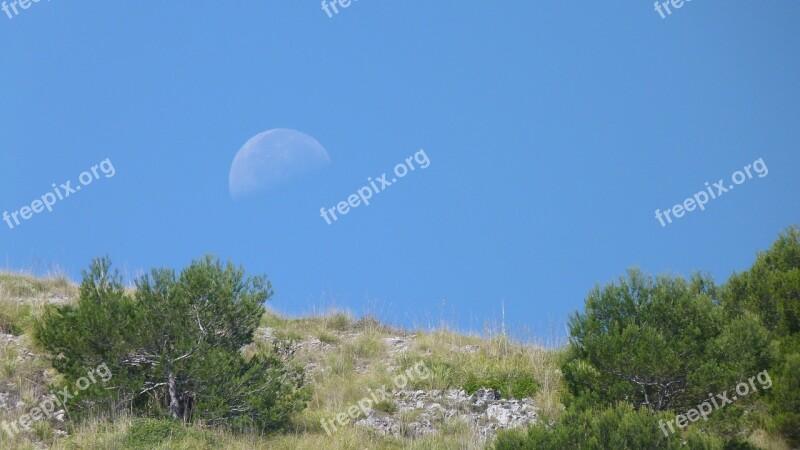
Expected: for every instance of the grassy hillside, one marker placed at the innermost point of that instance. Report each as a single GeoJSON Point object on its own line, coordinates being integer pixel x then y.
{"type": "Point", "coordinates": [345, 360]}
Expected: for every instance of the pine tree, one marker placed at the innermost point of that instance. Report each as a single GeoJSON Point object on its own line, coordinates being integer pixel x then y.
{"type": "Point", "coordinates": [174, 345]}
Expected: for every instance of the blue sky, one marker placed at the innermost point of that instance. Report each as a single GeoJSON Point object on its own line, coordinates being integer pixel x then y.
{"type": "Point", "coordinates": [554, 131]}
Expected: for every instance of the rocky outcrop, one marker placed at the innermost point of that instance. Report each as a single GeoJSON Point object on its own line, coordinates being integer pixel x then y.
{"type": "Point", "coordinates": [423, 412]}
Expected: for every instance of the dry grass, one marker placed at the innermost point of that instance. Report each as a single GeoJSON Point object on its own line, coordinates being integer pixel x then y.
{"type": "Point", "coordinates": [33, 290]}
{"type": "Point", "coordinates": [764, 440]}
{"type": "Point", "coordinates": [348, 357]}
{"type": "Point", "coordinates": [357, 357]}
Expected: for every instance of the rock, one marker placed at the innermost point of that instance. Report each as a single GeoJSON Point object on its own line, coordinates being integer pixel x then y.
{"type": "Point", "coordinates": [315, 345]}
{"type": "Point", "coordinates": [498, 413]}
{"type": "Point", "coordinates": [484, 411]}
{"type": "Point", "coordinates": [265, 333]}
{"type": "Point", "coordinates": [397, 344]}
{"type": "Point", "coordinates": [486, 394]}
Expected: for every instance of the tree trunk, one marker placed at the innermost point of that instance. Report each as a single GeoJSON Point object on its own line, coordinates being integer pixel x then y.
{"type": "Point", "coordinates": [174, 403]}
{"type": "Point", "coordinates": [188, 406]}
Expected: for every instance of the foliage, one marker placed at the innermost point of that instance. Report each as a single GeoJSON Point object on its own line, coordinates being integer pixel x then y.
{"type": "Point", "coordinates": [388, 406]}
{"type": "Point", "coordinates": [770, 290]}
{"type": "Point", "coordinates": [173, 346]}
{"type": "Point", "coordinates": [786, 399]}
{"type": "Point", "coordinates": [739, 444]}
{"type": "Point", "coordinates": [664, 343]}
{"type": "Point", "coordinates": [659, 343]}
{"type": "Point", "coordinates": [771, 287]}
{"type": "Point", "coordinates": [620, 427]}
{"type": "Point", "coordinates": [637, 340]}
{"type": "Point", "coordinates": [508, 384]}
{"type": "Point", "coordinates": [149, 433]}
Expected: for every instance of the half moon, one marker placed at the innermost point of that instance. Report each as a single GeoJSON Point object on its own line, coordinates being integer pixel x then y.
{"type": "Point", "coordinates": [272, 158]}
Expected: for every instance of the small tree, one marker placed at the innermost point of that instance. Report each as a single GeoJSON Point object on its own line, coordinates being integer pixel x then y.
{"type": "Point", "coordinates": [659, 344]}
{"type": "Point", "coordinates": [174, 345]}
{"type": "Point", "coordinates": [771, 287]}
{"type": "Point", "coordinates": [770, 290]}
{"type": "Point", "coordinates": [786, 395]}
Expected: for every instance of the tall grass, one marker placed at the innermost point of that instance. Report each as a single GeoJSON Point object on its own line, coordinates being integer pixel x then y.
{"type": "Point", "coordinates": [346, 357]}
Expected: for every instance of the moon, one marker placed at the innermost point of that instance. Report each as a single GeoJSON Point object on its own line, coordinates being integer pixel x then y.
{"type": "Point", "coordinates": [272, 158]}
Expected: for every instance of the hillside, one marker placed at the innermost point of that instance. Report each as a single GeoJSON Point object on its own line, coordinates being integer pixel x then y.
{"type": "Point", "coordinates": [401, 388]}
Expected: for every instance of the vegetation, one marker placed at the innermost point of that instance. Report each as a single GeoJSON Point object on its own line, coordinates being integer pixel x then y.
{"type": "Point", "coordinates": [620, 427]}
{"type": "Point", "coordinates": [173, 346]}
{"type": "Point", "coordinates": [350, 356]}
{"type": "Point", "coordinates": [645, 349]}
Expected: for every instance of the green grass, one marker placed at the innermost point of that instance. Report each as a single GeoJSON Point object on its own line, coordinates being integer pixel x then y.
{"type": "Point", "coordinates": [388, 406]}
{"type": "Point", "coordinates": [16, 317]}
{"type": "Point", "coordinates": [166, 434]}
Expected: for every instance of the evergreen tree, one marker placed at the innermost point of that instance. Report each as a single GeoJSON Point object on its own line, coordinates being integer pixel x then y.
{"type": "Point", "coordinates": [174, 345]}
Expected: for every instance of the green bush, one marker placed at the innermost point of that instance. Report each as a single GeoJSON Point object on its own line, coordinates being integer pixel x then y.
{"type": "Point", "coordinates": [664, 343]}
{"type": "Point", "coordinates": [510, 385]}
{"type": "Point", "coordinates": [786, 399]}
{"type": "Point", "coordinates": [523, 386]}
{"type": "Point", "coordinates": [770, 290]}
{"type": "Point", "coordinates": [660, 343]}
{"type": "Point", "coordinates": [173, 346]}
{"type": "Point", "coordinates": [771, 287]}
{"type": "Point", "coordinates": [474, 383]}
{"type": "Point", "coordinates": [619, 428]}
{"type": "Point", "coordinates": [739, 444]}
{"type": "Point", "coordinates": [387, 405]}
{"type": "Point", "coordinates": [150, 433]}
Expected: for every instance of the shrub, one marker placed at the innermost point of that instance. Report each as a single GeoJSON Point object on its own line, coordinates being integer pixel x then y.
{"type": "Point", "coordinates": [770, 290]}
{"type": "Point", "coordinates": [659, 343]}
{"type": "Point", "coordinates": [150, 433]}
{"type": "Point", "coordinates": [387, 405]}
{"type": "Point", "coordinates": [620, 427]}
{"type": "Point", "coordinates": [739, 444]}
{"type": "Point", "coordinates": [786, 399]}
{"type": "Point", "coordinates": [771, 287]}
{"type": "Point", "coordinates": [509, 384]}
{"type": "Point", "coordinates": [173, 346]}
